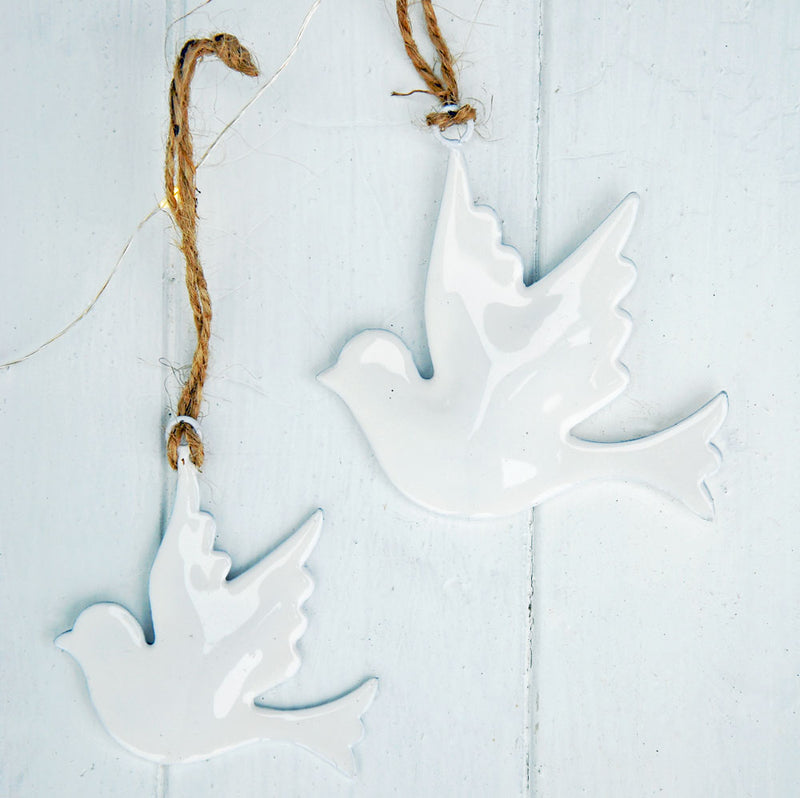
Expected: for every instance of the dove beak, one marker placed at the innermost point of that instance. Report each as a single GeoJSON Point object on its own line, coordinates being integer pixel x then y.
{"type": "Point", "coordinates": [62, 642]}
{"type": "Point", "coordinates": [328, 377]}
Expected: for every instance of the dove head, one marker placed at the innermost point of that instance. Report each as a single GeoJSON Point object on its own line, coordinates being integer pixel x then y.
{"type": "Point", "coordinates": [102, 634]}
{"type": "Point", "coordinates": [374, 368]}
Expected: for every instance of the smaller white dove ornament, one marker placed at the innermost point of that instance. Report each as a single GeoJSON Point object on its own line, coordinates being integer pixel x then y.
{"type": "Point", "coordinates": [515, 368]}
{"type": "Point", "coordinates": [219, 644]}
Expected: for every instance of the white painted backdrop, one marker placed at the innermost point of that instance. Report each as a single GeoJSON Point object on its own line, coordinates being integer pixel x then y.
{"type": "Point", "coordinates": [664, 649]}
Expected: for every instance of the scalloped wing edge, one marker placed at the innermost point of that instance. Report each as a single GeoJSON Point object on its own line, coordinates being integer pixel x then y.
{"type": "Point", "coordinates": [615, 230]}
{"type": "Point", "coordinates": [457, 191]}
{"type": "Point", "coordinates": [295, 549]}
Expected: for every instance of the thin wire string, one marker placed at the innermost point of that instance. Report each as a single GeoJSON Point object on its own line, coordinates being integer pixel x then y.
{"type": "Point", "coordinates": [163, 204]}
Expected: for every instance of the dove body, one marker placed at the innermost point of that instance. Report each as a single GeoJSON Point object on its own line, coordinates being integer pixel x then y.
{"type": "Point", "coordinates": [515, 369]}
{"type": "Point", "coordinates": [219, 644]}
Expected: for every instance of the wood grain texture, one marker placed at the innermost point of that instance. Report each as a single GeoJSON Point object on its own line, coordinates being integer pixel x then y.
{"type": "Point", "coordinates": [667, 653]}
{"type": "Point", "coordinates": [317, 214]}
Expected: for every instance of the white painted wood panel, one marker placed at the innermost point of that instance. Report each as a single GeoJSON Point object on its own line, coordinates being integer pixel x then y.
{"type": "Point", "coordinates": [667, 658]}
{"type": "Point", "coordinates": [665, 649]}
{"type": "Point", "coordinates": [317, 213]}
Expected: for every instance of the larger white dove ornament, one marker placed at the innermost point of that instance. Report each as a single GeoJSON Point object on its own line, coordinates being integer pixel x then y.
{"type": "Point", "coordinates": [515, 369]}
{"type": "Point", "coordinates": [219, 643]}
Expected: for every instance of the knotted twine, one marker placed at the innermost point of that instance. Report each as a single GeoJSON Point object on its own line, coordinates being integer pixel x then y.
{"type": "Point", "coordinates": [444, 88]}
{"type": "Point", "coordinates": [179, 179]}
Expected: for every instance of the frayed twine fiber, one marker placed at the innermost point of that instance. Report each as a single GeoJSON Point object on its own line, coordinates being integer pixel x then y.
{"type": "Point", "coordinates": [445, 89]}
{"type": "Point", "coordinates": [179, 179]}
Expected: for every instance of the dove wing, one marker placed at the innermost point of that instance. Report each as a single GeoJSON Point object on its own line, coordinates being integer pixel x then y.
{"type": "Point", "coordinates": [187, 572]}
{"type": "Point", "coordinates": [248, 627]}
{"type": "Point", "coordinates": [269, 598]}
{"type": "Point", "coordinates": [582, 329]}
{"type": "Point", "coordinates": [556, 340]}
{"type": "Point", "coordinates": [470, 272]}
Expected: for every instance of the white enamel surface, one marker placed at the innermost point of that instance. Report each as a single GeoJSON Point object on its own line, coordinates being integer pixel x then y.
{"type": "Point", "coordinates": [219, 643]}
{"type": "Point", "coordinates": [667, 654]}
{"type": "Point", "coordinates": [322, 153]}
{"type": "Point", "coordinates": [515, 368]}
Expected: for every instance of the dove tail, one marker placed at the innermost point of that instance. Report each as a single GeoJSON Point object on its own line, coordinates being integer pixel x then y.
{"type": "Point", "coordinates": [676, 460]}
{"type": "Point", "coordinates": [329, 730]}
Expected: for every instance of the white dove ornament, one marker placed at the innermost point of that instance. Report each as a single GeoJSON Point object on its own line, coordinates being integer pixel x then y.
{"type": "Point", "coordinates": [515, 369]}
{"type": "Point", "coordinates": [219, 643]}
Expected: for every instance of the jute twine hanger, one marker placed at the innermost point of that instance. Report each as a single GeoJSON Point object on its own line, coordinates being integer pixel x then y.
{"type": "Point", "coordinates": [179, 179]}
{"type": "Point", "coordinates": [444, 88]}
{"type": "Point", "coordinates": [163, 204]}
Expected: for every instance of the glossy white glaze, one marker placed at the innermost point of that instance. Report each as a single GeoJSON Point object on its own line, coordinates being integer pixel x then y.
{"type": "Point", "coordinates": [516, 367]}
{"type": "Point", "coordinates": [219, 643]}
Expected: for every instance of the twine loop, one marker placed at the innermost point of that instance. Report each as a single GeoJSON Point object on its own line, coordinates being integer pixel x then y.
{"type": "Point", "coordinates": [463, 135]}
{"type": "Point", "coordinates": [192, 422]}
{"type": "Point", "coordinates": [179, 179]}
{"type": "Point", "coordinates": [444, 88]}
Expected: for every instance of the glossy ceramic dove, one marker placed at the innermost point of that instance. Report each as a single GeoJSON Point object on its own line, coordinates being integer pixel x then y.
{"type": "Point", "coordinates": [515, 368]}
{"type": "Point", "coordinates": [219, 643]}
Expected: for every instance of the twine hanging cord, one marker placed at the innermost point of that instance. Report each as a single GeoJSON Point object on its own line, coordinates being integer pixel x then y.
{"type": "Point", "coordinates": [179, 179]}
{"type": "Point", "coordinates": [445, 89]}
